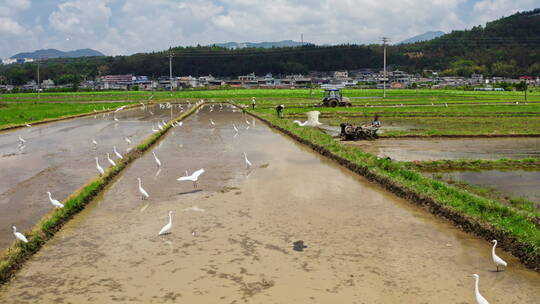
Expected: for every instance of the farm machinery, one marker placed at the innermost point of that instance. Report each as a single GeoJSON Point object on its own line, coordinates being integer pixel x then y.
{"type": "Point", "coordinates": [333, 98]}
{"type": "Point", "coordinates": [352, 132]}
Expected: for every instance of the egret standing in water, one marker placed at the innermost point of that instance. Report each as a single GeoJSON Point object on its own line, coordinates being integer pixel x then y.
{"type": "Point", "coordinates": [116, 152]}
{"type": "Point", "coordinates": [193, 177]}
{"type": "Point", "coordinates": [235, 128]}
{"type": "Point", "coordinates": [167, 228]}
{"type": "Point", "coordinates": [19, 235]}
{"type": "Point", "coordinates": [212, 122]}
{"type": "Point", "coordinates": [110, 160]}
{"type": "Point", "coordinates": [94, 142]}
{"type": "Point", "coordinates": [21, 140]}
{"type": "Point", "coordinates": [127, 140]}
{"type": "Point", "coordinates": [479, 298]}
{"type": "Point", "coordinates": [100, 170]}
{"type": "Point", "coordinates": [54, 202]}
{"type": "Point", "coordinates": [142, 191]}
{"type": "Point", "coordinates": [248, 163]}
{"type": "Point", "coordinates": [496, 259]}
{"type": "Point", "coordinates": [156, 159]}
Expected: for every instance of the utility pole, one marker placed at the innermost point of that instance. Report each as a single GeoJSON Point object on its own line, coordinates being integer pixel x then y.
{"type": "Point", "coordinates": [384, 40]}
{"type": "Point", "coordinates": [170, 67]}
{"type": "Point", "coordinates": [302, 38]}
{"type": "Point", "coordinates": [38, 82]}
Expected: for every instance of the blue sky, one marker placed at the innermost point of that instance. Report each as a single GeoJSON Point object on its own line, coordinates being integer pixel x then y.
{"type": "Point", "coordinates": [117, 27]}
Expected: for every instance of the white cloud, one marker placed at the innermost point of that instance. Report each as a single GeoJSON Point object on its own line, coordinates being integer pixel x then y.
{"type": "Point", "coordinates": [9, 26]}
{"type": "Point", "coordinates": [85, 19]}
{"type": "Point", "coordinates": [129, 26]}
{"type": "Point", "coordinates": [489, 10]}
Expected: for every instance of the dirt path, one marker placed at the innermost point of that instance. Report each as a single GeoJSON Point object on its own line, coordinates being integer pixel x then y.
{"type": "Point", "coordinates": [59, 157]}
{"type": "Point", "coordinates": [364, 245]}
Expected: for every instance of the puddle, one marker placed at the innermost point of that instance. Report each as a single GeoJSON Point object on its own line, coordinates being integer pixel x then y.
{"type": "Point", "coordinates": [365, 244]}
{"type": "Point", "coordinates": [426, 149]}
{"type": "Point", "coordinates": [59, 157]}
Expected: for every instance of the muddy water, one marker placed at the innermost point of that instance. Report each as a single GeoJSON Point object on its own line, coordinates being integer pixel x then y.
{"type": "Point", "coordinates": [364, 245]}
{"type": "Point", "coordinates": [59, 157]}
{"type": "Point", "coordinates": [425, 149]}
{"type": "Point", "coordinates": [518, 183]}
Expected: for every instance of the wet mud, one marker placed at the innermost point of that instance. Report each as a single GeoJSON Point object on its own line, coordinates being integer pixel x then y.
{"type": "Point", "coordinates": [232, 241]}
{"type": "Point", "coordinates": [59, 157]}
{"type": "Point", "coordinates": [427, 149]}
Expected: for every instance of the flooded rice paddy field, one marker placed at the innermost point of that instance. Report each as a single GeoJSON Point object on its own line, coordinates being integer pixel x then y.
{"type": "Point", "coordinates": [59, 157]}
{"type": "Point", "coordinates": [516, 183]}
{"type": "Point", "coordinates": [427, 149]}
{"type": "Point", "coordinates": [232, 238]}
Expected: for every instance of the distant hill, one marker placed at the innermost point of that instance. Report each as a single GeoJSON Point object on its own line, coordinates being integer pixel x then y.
{"type": "Point", "coordinates": [423, 37]}
{"type": "Point", "coordinates": [54, 53]}
{"type": "Point", "coordinates": [264, 45]}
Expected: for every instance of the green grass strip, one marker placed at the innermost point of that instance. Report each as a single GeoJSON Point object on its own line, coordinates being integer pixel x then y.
{"type": "Point", "coordinates": [487, 218]}
{"type": "Point", "coordinates": [530, 163]}
{"type": "Point", "coordinates": [14, 256]}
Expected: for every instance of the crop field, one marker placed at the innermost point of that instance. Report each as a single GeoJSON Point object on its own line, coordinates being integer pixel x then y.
{"type": "Point", "coordinates": [288, 96]}
{"type": "Point", "coordinates": [15, 113]}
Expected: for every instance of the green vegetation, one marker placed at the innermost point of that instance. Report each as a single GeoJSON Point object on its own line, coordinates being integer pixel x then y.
{"type": "Point", "coordinates": [13, 257]}
{"type": "Point", "coordinates": [503, 219]}
{"type": "Point", "coordinates": [529, 208]}
{"type": "Point", "coordinates": [13, 114]}
{"type": "Point", "coordinates": [475, 164]}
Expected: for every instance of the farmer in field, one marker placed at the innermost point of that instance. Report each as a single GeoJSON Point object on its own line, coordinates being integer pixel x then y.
{"type": "Point", "coordinates": [376, 123]}
{"type": "Point", "coordinates": [279, 110]}
{"type": "Point", "coordinates": [253, 103]}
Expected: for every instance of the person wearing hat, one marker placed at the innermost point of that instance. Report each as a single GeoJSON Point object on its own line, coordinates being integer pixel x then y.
{"type": "Point", "coordinates": [253, 103]}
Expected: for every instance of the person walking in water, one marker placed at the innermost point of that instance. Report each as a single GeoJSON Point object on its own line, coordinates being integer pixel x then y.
{"type": "Point", "coordinates": [253, 103]}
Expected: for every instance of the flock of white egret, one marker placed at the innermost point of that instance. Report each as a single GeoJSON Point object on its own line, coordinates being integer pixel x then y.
{"type": "Point", "coordinates": [194, 177]}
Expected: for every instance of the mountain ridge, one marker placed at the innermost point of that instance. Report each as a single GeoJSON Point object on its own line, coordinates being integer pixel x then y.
{"type": "Point", "coordinates": [54, 53]}
{"type": "Point", "coordinates": [429, 35]}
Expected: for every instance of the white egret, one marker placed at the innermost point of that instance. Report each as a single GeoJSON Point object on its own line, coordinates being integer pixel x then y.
{"type": "Point", "coordinates": [156, 159]}
{"type": "Point", "coordinates": [110, 160]}
{"type": "Point", "coordinates": [212, 122]}
{"type": "Point", "coordinates": [151, 113]}
{"type": "Point", "coordinates": [159, 126]}
{"type": "Point", "coordinates": [21, 140]}
{"type": "Point", "coordinates": [248, 163]}
{"type": "Point", "coordinates": [117, 154]}
{"type": "Point", "coordinates": [235, 128]}
{"type": "Point", "coordinates": [54, 202]}
{"type": "Point", "coordinates": [120, 108]}
{"type": "Point", "coordinates": [479, 298]}
{"type": "Point", "coordinates": [247, 122]}
{"type": "Point", "coordinates": [167, 228]}
{"type": "Point", "coordinates": [28, 125]}
{"type": "Point", "coordinates": [94, 142]}
{"type": "Point", "coordinates": [142, 191]}
{"type": "Point", "coordinates": [301, 124]}
{"type": "Point", "coordinates": [127, 140]}
{"type": "Point", "coordinates": [193, 177]}
{"type": "Point", "coordinates": [19, 235]}
{"type": "Point", "coordinates": [115, 119]}
{"type": "Point", "coordinates": [100, 170]}
{"type": "Point", "coordinates": [496, 259]}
